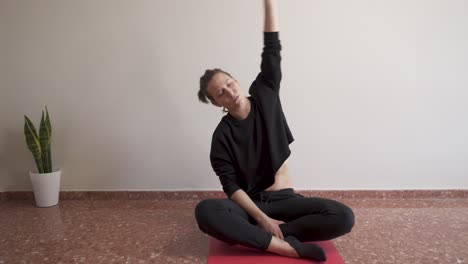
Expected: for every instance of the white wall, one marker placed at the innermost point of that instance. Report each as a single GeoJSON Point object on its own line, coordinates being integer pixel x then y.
{"type": "Point", "coordinates": [375, 92]}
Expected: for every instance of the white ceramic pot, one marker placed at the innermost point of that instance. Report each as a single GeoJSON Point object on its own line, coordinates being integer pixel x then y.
{"type": "Point", "coordinates": [46, 187]}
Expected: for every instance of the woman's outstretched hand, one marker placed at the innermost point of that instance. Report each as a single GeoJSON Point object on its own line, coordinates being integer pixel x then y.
{"type": "Point", "coordinates": [272, 226]}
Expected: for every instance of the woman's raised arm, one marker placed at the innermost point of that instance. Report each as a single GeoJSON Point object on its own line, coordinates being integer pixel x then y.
{"type": "Point", "coordinates": [271, 16]}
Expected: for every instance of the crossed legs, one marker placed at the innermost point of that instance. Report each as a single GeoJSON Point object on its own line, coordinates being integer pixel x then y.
{"type": "Point", "coordinates": [307, 219]}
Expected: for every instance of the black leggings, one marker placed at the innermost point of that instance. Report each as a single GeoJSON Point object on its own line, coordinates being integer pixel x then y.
{"type": "Point", "coordinates": [308, 219]}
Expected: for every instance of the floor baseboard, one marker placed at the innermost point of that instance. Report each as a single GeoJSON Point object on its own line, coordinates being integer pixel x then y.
{"type": "Point", "coordinates": [199, 195]}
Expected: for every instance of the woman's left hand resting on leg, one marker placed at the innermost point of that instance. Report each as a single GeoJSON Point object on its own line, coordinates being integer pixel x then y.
{"type": "Point", "coordinates": [272, 226]}
{"type": "Point", "coordinates": [269, 224]}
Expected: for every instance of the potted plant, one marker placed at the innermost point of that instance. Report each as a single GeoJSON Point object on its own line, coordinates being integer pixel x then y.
{"type": "Point", "coordinates": [45, 182]}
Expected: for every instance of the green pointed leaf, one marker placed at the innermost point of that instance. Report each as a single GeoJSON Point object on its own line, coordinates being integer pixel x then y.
{"type": "Point", "coordinates": [44, 134]}
{"type": "Point", "coordinates": [47, 121]}
{"type": "Point", "coordinates": [45, 139]}
{"type": "Point", "coordinates": [49, 150]}
{"type": "Point", "coordinates": [33, 143]}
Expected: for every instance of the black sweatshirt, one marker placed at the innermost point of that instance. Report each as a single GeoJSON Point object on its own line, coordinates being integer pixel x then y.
{"type": "Point", "coordinates": [246, 154]}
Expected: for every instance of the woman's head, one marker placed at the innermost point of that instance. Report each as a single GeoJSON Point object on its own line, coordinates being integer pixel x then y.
{"type": "Point", "coordinates": [220, 88]}
{"type": "Point", "coordinates": [204, 81]}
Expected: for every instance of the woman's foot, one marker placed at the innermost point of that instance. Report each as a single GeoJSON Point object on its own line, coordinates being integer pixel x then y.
{"type": "Point", "coordinates": [282, 248]}
{"type": "Point", "coordinates": [305, 250]}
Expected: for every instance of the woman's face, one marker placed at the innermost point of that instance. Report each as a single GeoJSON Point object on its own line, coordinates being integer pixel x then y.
{"type": "Point", "coordinates": [225, 91]}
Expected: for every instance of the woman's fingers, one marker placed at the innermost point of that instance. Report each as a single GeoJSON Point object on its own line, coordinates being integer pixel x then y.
{"type": "Point", "coordinates": [272, 226]}
{"type": "Point", "coordinates": [279, 234]}
{"type": "Point", "coordinates": [279, 229]}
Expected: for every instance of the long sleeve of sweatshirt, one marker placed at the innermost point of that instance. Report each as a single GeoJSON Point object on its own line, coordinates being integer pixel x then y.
{"type": "Point", "coordinates": [270, 67]}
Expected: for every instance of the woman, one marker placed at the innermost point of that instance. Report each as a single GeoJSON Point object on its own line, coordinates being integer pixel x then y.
{"type": "Point", "coordinates": [249, 153]}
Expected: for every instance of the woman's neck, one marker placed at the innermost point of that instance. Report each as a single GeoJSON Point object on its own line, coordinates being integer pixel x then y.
{"type": "Point", "coordinates": [243, 110]}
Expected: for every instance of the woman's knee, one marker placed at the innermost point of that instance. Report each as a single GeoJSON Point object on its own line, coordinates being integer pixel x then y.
{"type": "Point", "coordinates": [346, 219]}
{"type": "Point", "coordinates": [205, 209]}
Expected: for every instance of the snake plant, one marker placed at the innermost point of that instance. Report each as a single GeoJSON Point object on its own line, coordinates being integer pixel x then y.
{"type": "Point", "coordinates": [39, 145]}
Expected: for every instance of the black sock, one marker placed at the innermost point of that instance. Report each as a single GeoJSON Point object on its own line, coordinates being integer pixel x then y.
{"type": "Point", "coordinates": [307, 250]}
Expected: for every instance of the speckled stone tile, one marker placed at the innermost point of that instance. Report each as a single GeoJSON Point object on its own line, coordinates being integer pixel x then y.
{"type": "Point", "coordinates": [162, 231]}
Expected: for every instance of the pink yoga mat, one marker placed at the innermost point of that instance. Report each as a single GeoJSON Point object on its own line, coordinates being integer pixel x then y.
{"type": "Point", "coordinates": [223, 253]}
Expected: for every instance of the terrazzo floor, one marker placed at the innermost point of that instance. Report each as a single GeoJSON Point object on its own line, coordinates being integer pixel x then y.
{"type": "Point", "coordinates": [149, 231]}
